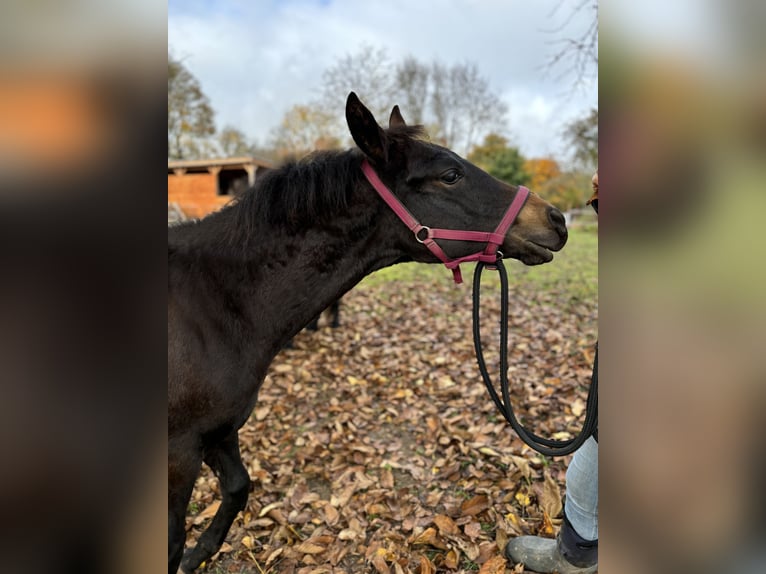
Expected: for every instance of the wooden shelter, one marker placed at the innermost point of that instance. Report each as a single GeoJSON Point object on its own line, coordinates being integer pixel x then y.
{"type": "Point", "coordinates": [201, 186]}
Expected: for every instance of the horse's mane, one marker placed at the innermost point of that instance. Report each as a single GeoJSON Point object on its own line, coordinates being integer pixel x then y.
{"type": "Point", "coordinates": [308, 190]}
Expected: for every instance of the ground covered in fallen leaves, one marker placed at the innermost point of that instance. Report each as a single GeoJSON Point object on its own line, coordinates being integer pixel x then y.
{"type": "Point", "coordinates": [374, 447]}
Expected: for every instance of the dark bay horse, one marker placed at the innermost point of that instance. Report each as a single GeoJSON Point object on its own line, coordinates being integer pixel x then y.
{"type": "Point", "coordinates": [243, 281]}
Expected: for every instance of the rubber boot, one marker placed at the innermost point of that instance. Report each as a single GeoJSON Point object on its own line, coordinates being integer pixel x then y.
{"type": "Point", "coordinates": [567, 554]}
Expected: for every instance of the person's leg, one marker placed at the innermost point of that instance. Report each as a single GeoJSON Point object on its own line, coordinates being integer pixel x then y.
{"type": "Point", "coordinates": [575, 551]}
{"type": "Point", "coordinates": [581, 507]}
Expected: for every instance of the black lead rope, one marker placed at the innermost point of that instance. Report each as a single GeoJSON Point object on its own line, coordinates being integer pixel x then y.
{"type": "Point", "coordinates": [545, 446]}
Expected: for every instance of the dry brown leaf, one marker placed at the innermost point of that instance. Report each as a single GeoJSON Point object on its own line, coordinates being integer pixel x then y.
{"type": "Point", "coordinates": [379, 563]}
{"type": "Point", "coordinates": [489, 451]}
{"type": "Point", "coordinates": [550, 500]}
{"type": "Point", "coordinates": [347, 534]}
{"type": "Point", "coordinates": [445, 525]}
{"type": "Point", "coordinates": [470, 549]}
{"type": "Point", "coordinates": [209, 512]}
{"type": "Point", "coordinates": [451, 560]}
{"type": "Point", "coordinates": [495, 565]}
{"type": "Point", "coordinates": [429, 537]}
{"type": "Point", "coordinates": [472, 530]}
{"type": "Point", "coordinates": [546, 526]}
{"type": "Point", "coordinates": [268, 508]}
{"type": "Point", "coordinates": [387, 478]}
{"type": "Point", "coordinates": [331, 515]}
{"type": "Point", "coordinates": [523, 465]}
{"type": "Point", "coordinates": [426, 566]}
{"type": "Point", "coordinates": [274, 555]}
{"type": "Point", "coordinates": [309, 547]}
{"type": "Point", "coordinates": [475, 505]}
{"type": "Point", "coordinates": [262, 412]}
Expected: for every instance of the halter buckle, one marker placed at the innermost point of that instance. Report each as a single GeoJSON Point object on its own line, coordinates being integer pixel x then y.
{"type": "Point", "coordinates": [499, 255]}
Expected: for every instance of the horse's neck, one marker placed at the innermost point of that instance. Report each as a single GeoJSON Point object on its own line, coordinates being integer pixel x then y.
{"type": "Point", "coordinates": [277, 281]}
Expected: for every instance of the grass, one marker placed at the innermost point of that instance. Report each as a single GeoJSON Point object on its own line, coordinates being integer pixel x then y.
{"type": "Point", "coordinates": [573, 273]}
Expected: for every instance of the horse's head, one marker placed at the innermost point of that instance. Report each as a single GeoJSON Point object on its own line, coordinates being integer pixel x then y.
{"type": "Point", "coordinates": [443, 190]}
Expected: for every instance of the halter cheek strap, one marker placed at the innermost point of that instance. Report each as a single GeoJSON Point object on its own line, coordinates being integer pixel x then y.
{"type": "Point", "coordinates": [427, 235]}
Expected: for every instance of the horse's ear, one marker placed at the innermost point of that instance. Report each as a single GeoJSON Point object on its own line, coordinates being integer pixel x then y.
{"type": "Point", "coordinates": [367, 134]}
{"type": "Point", "coordinates": [396, 120]}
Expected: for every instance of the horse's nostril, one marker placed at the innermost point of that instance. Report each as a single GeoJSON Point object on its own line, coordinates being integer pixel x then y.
{"type": "Point", "coordinates": [557, 219]}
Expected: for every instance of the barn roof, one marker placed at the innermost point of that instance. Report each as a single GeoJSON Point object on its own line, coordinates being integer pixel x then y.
{"type": "Point", "coordinates": [217, 162]}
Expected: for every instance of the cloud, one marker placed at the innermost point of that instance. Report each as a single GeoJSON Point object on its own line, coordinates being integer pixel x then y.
{"type": "Point", "coordinates": [257, 59]}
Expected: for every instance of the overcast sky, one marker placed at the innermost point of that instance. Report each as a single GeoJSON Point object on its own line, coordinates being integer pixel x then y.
{"type": "Point", "coordinates": [257, 58]}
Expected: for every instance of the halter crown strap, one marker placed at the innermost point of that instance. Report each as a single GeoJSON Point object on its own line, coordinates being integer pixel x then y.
{"type": "Point", "coordinates": [427, 235]}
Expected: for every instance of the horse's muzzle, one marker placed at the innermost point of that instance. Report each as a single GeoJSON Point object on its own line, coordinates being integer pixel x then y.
{"type": "Point", "coordinates": [559, 224]}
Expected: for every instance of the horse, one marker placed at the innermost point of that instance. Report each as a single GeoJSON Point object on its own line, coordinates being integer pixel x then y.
{"type": "Point", "coordinates": [334, 310]}
{"type": "Point", "coordinates": [244, 280]}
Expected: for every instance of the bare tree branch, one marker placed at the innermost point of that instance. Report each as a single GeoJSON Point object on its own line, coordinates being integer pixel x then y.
{"type": "Point", "coordinates": [576, 55]}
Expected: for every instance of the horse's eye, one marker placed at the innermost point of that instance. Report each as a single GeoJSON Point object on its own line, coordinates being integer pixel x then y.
{"type": "Point", "coordinates": [451, 176]}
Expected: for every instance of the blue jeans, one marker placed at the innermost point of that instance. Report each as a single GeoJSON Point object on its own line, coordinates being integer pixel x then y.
{"type": "Point", "coordinates": [581, 505]}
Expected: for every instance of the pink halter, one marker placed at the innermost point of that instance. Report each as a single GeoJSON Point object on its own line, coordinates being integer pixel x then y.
{"type": "Point", "coordinates": [427, 235]}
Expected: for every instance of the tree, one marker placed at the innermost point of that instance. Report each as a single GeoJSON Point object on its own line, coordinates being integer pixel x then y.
{"type": "Point", "coordinates": [412, 86]}
{"type": "Point", "coordinates": [455, 102]}
{"type": "Point", "coordinates": [234, 143]}
{"type": "Point", "coordinates": [541, 170]}
{"type": "Point", "coordinates": [568, 190]}
{"type": "Point", "coordinates": [463, 105]}
{"type": "Point", "coordinates": [499, 160]}
{"type": "Point", "coordinates": [190, 116]}
{"type": "Point", "coordinates": [579, 53]}
{"type": "Point", "coordinates": [369, 73]}
{"type": "Point", "coordinates": [303, 129]}
{"type": "Point", "coordinates": [583, 135]}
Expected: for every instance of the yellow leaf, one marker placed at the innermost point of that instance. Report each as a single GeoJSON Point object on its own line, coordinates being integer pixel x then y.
{"type": "Point", "coordinates": [451, 560]}
{"type": "Point", "coordinates": [522, 498]}
{"type": "Point", "coordinates": [546, 526]}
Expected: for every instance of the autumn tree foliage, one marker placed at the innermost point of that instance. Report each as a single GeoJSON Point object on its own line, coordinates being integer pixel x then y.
{"type": "Point", "coordinates": [305, 128]}
{"type": "Point", "coordinates": [564, 189]}
{"type": "Point", "coordinates": [582, 134]}
{"type": "Point", "coordinates": [541, 170]}
{"type": "Point", "coordinates": [500, 160]}
{"type": "Point", "coordinates": [233, 142]}
{"type": "Point", "coordinates": [190, 115]}
{"type": "Point", "coordinates": [568, 190]}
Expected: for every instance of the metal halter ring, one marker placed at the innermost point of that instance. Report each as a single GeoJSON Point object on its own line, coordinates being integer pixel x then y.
{"type": "Point", "coordinates": [428, 234]}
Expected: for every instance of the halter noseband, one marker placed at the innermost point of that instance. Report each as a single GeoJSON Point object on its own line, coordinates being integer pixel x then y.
{"type": "Point", "coordinates": [427, 235]}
